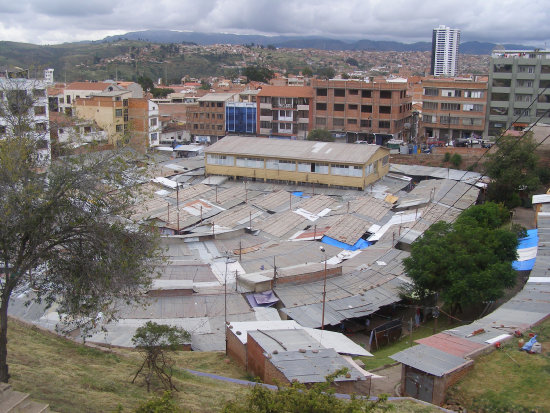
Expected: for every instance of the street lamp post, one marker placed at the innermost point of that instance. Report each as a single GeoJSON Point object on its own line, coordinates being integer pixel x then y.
{"type": "Point", "coordinates": [324, 288]}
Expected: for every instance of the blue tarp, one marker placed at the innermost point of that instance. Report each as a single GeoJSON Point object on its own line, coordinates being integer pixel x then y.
{"type": "Point", "coordinates": [529, 345]}
{"type": "Point", "coordinates": [530, 241]}
{"type": "Point", "coordinates": [524, 265]}
{"type": "Point", "coordinates": [359, 245]}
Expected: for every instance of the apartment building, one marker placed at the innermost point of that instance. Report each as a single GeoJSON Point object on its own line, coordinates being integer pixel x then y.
{"type": "Point", "coordinates": [445, 42]}
{"type": "Point", "coordinates": [109, 110]}
{"type": "Point", "coordinates": [24, 108]}
{"type": "Point", "coordinates": [143, 123]}
{"type": "Point", "coordinates": [206, 119]}
{"type": "Point", "coordinates": [453, 108]}
{"type": "Point", "coordinates": [355, 110]}
{"type": "Point", "coordinates": [519, 89]}
{"type": "Point", "coordinates": [284, 111]}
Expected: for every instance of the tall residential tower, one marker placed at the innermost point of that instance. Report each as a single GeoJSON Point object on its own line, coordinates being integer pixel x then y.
{"type": "Point", "coordinates": [445, 43]}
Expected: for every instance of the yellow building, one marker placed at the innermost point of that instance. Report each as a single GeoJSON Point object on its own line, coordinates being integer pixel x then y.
{"type": "Point", "coordinates": [325, 163]}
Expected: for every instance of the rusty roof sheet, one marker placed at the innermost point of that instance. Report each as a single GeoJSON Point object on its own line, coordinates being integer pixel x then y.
{"type": "Point", "coordinates": [451, 344]}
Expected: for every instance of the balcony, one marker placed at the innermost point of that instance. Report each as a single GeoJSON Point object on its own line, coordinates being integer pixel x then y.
{"type": "Point", "coordinates": [303, 120]}
{"type": "Point", "coordinates": [266, 106]}
{"type": "Point", "coordinates": [265, 131]}
{"type": "Point", "coordinates": [303, 107]}
{"type": "Point", "coordinates": [266, 118]}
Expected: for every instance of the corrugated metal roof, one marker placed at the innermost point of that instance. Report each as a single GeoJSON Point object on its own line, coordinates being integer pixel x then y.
{"type": "Point", "coordinates": [294, 149]}
{"type": "Point", "coordinates": [430, 360]}
{"type": "Point", "coordinates": [313, 366]}
{"type": "Point", "coordinates": [450, 344]}
{"type": "Point", "coordinates": [349, 229]}
{"type": "Point", "coordinates": [284, 340]}
{"type": "Point", "coordinates": [216, 97]}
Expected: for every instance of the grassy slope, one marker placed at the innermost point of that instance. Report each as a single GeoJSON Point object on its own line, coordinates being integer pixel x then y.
{"type": "Point", "coordinates": [507, 386]}
{"type": "Point", "coordinates": [381, 357]}
{"type": "Point", "coordinates": [75, 378]}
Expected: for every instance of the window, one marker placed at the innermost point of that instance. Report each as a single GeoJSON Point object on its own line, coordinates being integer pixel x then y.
{"type": "Point", "coordinates": [366, 108]}
{"type": "Point", "coordinates": [429, 105]}
{"type": "Point", "coordinates": [338, 122]}
{"type": "Point", "coordinates": [543, 113]}
{"type": "Point", "coordinates": [118, 128]}
{"type": "Point", "coordinates": [470, 107]}
{"type": "Point", "coordinates": [340, 93]}
{"type": "Point", "coordinates": [524, 83]}
{"type": "Point", "coordinates": [471, 122]}
{"type": "Point", "coordinates": [385, 160]}
{"type": "Point", "coordinates": [544, 69]}
{"type": "Point", "coordinates": [543, 99]}
{"type": "Point", "coordinates": [365, 123]}
{"type": "Point", "coordinates": [502, 82]}
{"type": "Point", "coordinates": [321, 106]}
{"type": "Point", "coordinates": [346, 170]}
{"type": "Point", "coordinates": [39, 93]}
{"type": "Point", "coordinates": [498, 111]}
{"type": "Point", "coordinates": [321, 92]}
{"type": "Point", "coordinates": [502, 68]}
{"type": "Point", "coordinates": [339, 107]}
{"type": "Point", "coordinates": [500, 97]}
{"type": "Point", "coordinates": [118, 113]}
{"type": "Point", "coordinates": [154, 137]}
{"type": "Point", "coordinates": [451, 93]}
{"type": "Point", "coordinates": [523, 98]}
{"type": "Point", "coordinates": [220, 160]}
{"type": "Point", "coordinates": [352, 121]}
{"type": "Point", "coordinates": [473, 94]}
{"type": "Point", "coordinates": [87, 129]}
{"type": "Point", "coordinates": [153, 122]}
{"type": "Point", "coordinates": [521, 112]}
{"type": "Point", "coordinates": [220, 116]}
{"type": "Point", "coordinates": [39, 110]}
{"type": "Point", "coordinates": [250, 162]}
{"type": "Point", "coordinates": [352, 107]}
{"type": "Point", "coordinates": [366, 93]}
{"type": "Point", "coordinates": [448, 120]}
{"type": "Point", "coordinates": [384, 124]}
{"type": "Point", "coordinates": [428, 91]}
{"type": "Point", "coordinates": [384, 109]}
{"type": "Point", "coordinates": [385, 94]}
{"type": "Point", "coordinates": [320, 121]}
{"type": "Point", "coordinates": [543, 84]}
{"type": "Point", "coordinates": [280, 164]}
{"type": "Point", "coordinates": [428, 118]}
{"type": "Point", "coordinates": [526, 69]}
{"type": "Point", "coordinates": [450, 106]}
{"type": "Point", "coordinates": [68, 99]}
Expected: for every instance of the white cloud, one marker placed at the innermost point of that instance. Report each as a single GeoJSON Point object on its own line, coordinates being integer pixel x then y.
{"type": "Point", "coordinates": [38, 21]}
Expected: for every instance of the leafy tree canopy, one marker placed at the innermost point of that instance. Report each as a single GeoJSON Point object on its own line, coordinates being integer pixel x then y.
{"type": "Point", "coordinates": [321, 135]}
{"type": "Point", "coordinates": [467, 262]}
{"type": "Point", "coordinates": [146, 83]}
{"type": "Point", "coordinates": [161, 92]}
{"type": "Point", "coordinates": [326, 72]}
{"type": "Point", "coordinates": [258, 74]}
{"type": "Point", "coordinates": [512, 168]}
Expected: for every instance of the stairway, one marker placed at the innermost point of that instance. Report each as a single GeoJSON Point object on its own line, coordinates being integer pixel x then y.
{"type": "Point", "coordinates": [12, 401]}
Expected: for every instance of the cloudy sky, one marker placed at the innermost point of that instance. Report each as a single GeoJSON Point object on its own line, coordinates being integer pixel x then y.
{"type": "Point", "coordinates": [58, 21]}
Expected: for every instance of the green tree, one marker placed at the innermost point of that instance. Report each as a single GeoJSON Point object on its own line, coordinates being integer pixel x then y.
{"type": "Point", "coordinates": [64, 233]}
{"type": "Point", "coordinates": [512, 169]}
{"type": "Point", "coordinates": [326, 72]}
{"type": "Point", "coordinates": [155, 341]}
{"type": "Point", "coordinates": [456, 160]}
{"type": "Point", "coordinates": [146, 83]}
{"type": "Point", "coordinates": [467, 262]}
{"type": "Point", "coordinates": [205, 85]}
{"type": "Point", "coordinates": [258, 74]}
{"type": "Point", "coordinates": [297, 398]}
{"type": "Point", "coordinates": [322, 135]}
{"type": "Point", "coordinates": [161, 92]}
{"type": "Point", "coordinates": [307, 72]}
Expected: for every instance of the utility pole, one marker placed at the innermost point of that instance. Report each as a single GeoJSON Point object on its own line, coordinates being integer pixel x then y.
{"type": "Point", "coordinates": [324, 288]}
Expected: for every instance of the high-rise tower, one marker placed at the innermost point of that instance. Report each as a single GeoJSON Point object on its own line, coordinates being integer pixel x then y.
{"type": "Point", "coordinates": [445, 43]}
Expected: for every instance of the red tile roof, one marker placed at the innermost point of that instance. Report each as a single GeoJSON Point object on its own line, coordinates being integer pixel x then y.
{"type": "Point", "coordinates": [287, 91]}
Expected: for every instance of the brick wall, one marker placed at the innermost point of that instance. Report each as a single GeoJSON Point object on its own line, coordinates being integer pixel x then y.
{"type": "Point", "coordinates": [235, 348]}
{"type": "Point", "coordinates": [256, 362]}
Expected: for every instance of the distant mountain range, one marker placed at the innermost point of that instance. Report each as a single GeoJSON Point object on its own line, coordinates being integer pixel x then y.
{"type": "Point", "coordinates": [296, 42]}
